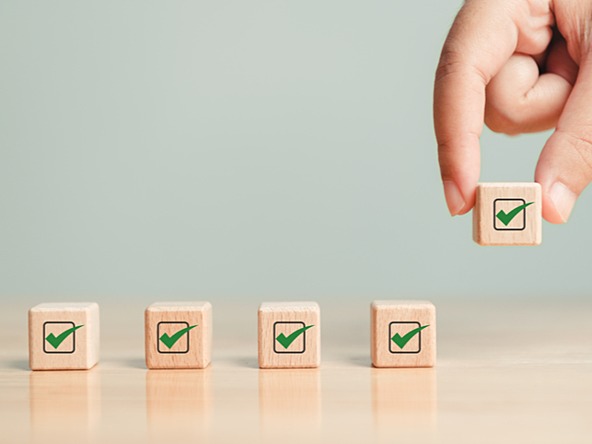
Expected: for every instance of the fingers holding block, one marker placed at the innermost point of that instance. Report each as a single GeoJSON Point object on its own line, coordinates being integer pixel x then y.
{"type": "Point", "coordinates": [508, 214]}
{"type": "Point", "coordinates": [178, 335]}
{"type": "Point", "coordinates": [289, 335]}
{"type": "Point", "coordinates": [64, 336]}
{"type": "Point", "coordinates": [403, 334]}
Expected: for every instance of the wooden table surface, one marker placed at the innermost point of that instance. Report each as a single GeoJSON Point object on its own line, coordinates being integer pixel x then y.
{"type": "Point", "coordinates": [507, 372]}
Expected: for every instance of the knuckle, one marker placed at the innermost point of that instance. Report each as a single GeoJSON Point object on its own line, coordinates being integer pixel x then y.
{"type": "Point", "coordinates": [503, 120]}
{"type": "Point", "coordinates": [447, 153]}
{"type": "Point", "coordinates": [453, 63]}
{"type": "Point", "coordinates": [452, 150]}
{"type": "Point", "coordinates": [581, 143]}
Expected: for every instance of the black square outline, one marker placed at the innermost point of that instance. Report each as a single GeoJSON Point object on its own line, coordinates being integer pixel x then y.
{"type": "Point", "coordinates": [158, 338]}
{"type": "Point", "coordinates": [523, 215]}
{"type": "Point", "coordinates": [391, 341]}
{"type": "Point", "coordinates": [303, 338]}
{"type": "Point", "coordinates": [73, 338]}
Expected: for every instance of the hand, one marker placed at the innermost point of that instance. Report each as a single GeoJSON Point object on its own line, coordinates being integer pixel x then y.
{"type": "Point", "coordinates": [519, 66]}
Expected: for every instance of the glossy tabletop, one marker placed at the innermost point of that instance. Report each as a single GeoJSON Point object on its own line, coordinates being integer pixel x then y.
{"type": "Point", "coordinates": [507, 372]}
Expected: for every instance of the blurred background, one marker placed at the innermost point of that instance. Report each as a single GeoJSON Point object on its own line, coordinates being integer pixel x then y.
{"type": "Point", "coordinates": [257, 150]}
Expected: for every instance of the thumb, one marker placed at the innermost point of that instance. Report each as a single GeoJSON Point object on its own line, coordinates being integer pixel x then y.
{"type": "Point", "coordinates": [565, 165]}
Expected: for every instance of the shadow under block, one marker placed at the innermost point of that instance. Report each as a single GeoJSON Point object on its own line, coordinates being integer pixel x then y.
{"type": "Point", "coordinates": [64, 336]}
{"type": "Point", "coordinates": [403, 334]}
{"type": "Point", "coordinates": [508, 214]}
{"type": "Point", "coordinates": [289, 335]}
{"type": "Point", "coordinates": [178, 335]}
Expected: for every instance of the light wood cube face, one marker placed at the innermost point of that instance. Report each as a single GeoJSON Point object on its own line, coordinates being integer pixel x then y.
{"type": "Point", "coordinates": [508, 214]}
{"type": "Point", "coordinates": [178, 335]}
{"type": "Point", "coordinates": [289, 335]}
{"type": "Point", "coordinates": [403, 334]}
{"type": "Point", "coordinates": [64, 336]}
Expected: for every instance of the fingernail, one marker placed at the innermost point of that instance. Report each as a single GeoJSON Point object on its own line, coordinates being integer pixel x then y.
{"type": "Point", "coordinates": [454, 199]}
{"type": "Point", "coordinates": [563, 198]}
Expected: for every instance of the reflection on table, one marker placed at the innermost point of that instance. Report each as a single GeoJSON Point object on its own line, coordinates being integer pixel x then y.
{"type": "Point", "coordinates": [178, 403]}
{"type": "Point", "coordinates": [404, 401]}
{"type": "Point", "coordinates": [289, 403]}
{"type": "Point", "coordinates": [64, 404]}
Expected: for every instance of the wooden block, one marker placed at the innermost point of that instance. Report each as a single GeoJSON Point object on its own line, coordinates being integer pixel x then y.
{"type": "Point", "coordinates": [289, 335]}
{"type": "Point", "coordinates": [508, 214]}
{"type": "Point", "coordinates": [178, 335]}
{"type": "Point", "coordinates": [393, 342]}
{"type": "Point", "coordinates": [64, 336]}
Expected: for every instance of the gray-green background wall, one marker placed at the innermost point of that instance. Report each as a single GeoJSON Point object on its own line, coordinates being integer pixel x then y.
{"type": "Point", "coordinates": [254, 149]}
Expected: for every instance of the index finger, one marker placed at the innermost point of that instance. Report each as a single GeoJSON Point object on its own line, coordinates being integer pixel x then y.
{"type": "Point", "coordinates": [481, 40]}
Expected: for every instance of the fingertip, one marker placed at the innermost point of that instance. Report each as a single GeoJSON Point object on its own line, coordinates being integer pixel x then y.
{"type": "Point", "coordinates": [558, 203]}
{"type": "Point", "coordinates": [562, 176]}
{"type": "Point", "coordinates": [456, 201]}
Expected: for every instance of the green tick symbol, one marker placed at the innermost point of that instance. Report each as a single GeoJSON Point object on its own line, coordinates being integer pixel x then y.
{"type": "Point", "coordinates": [169, 341]}
{"type": "Point", "coordinates": [506, 218]}
{"type": "Point", "coordinates": [285, 341]}
{"type": "Point", "coordinates": [55, 341]}
{"type": "Point", "coordinates": [402, 341]}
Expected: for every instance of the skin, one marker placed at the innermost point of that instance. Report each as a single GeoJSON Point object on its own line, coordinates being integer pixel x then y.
{"type": "Point", "coordinates": [519, 66]}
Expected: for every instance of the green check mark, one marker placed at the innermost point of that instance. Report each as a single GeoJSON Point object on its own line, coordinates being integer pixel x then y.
{"type": "Point", "coordinates": [55, 341]}
{"type": "Point", "coordinates": [402, 341]}
{"type": "Point", "coordinates": [169, 341]}
{"type": "Point", "coordinates": [506, 218]}
{"type": "Point", "coordinates": [285, 341]}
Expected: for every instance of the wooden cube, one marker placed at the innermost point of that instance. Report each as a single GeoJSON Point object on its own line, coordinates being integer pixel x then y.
{"type": "Point", "coordinates": [289, 335]}
{"type": "Point", "coordinates": [178, 335]}
{"type": "Point", "coordinates": [403, 334]}
{"type": "Point", "coordinates": [64, 336]}
{"type": "Point", "coordinates": [508, 214]}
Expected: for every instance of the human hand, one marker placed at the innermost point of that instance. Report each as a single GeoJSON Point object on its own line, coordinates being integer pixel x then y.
{"type": "Point", "coordinates": [519, 66]}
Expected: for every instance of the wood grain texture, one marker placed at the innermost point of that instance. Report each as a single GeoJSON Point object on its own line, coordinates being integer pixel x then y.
{"type": "Point", "coordinates": [284, 318]}
{"type": "Point", "coordinates": [524, 229]}
{"type": "Point", "coordinates": [389, 318]}
{"type": "Point", "coordinates": [193, 349]}
{"type": "Point", "coordinates": [78, 351]}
